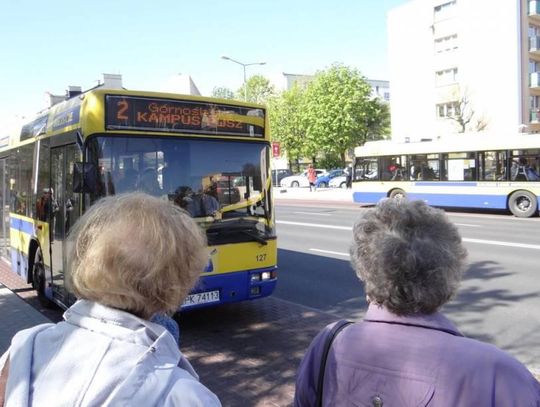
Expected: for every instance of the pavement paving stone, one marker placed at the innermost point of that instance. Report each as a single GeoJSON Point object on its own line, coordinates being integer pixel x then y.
{"type": "Point", "coordinates": [15, 315]}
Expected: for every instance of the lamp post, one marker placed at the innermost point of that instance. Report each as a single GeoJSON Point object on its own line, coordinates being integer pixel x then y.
{"type": "Point", "coordinates": [243, 66]}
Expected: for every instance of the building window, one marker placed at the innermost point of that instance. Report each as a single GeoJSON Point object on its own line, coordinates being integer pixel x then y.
{"type": "Point", "coordinates": [444, 10]}
{"type": "Point", "coordinates": [450, 109]}
{"type": "Point", "coordinates": [446, 44]}
{"type": "Point", "coordinates": [533, 66]}
{"type": "Point", "coordinates": [387, 96]}
{"type": "Point", "coordinates": [446, 77]}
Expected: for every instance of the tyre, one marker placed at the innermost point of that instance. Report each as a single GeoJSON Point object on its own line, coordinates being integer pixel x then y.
{"type": "Point", "coordinates": [397, 194]}
{"type": "Point", "coordinates": [38, 279]}
{"type": "Point", "coordinates": [523, 204]}
{"type": "Point", "coordinates": [322, 184]}
{"type": "Point", "coordinates": [295, 184]}
{"type": "Point", "coordinates": [343, 185]}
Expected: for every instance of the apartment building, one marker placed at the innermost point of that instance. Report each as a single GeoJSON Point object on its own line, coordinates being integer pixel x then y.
{"type": "Point", "coordinates": [464, 65]}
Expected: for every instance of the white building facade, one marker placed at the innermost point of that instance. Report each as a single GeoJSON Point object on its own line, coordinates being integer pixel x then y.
{"type": "Point", "coordinates": [469, 59]}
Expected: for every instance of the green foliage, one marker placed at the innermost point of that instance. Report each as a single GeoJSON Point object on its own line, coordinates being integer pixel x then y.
{"type": "Point", "coordinates": [257, 89]}
{"type": "Point", "coordinates": [330, 162]}
{"type": "Point", "coordinates": [339, 112]}
{"type": "Point", "coordinates": [222, 92]}
{"type": "Point", "coordinates": [286, 122]}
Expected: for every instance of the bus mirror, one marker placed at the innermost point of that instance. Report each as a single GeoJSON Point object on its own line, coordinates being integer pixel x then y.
{"type": "Point", "coordinates": [84, 177]}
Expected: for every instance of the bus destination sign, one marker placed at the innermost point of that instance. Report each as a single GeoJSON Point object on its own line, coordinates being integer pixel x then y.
{"type": "Point", "coordinates": [182, 116]}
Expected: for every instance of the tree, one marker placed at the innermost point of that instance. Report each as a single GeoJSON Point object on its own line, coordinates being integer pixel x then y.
{"type": "Point", "coordinates": [465, 116]}
{"type": "Point", "coordinates": [340, 114]}
{"type": "Point", "coordinates": [286, 122]}
{"type": "Point", "coordinates": [222, 92]}
{"type": "Point", "coordinates": [257, 89]}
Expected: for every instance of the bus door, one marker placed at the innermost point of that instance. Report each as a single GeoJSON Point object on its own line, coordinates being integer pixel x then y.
{"type": "Point", "coordinates": [66, 213]}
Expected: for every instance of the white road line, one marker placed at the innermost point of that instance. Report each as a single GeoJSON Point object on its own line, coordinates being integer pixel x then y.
{"type": "Point", "coordinates": [330, 252]}
{"type": "Point", "coordinates": [467, 225]}
{"type": "Point", "coordinates": [314, 213]}
{"type": "Point", "coordinates": [497, 243]}
{"type": "Point", "coordinates": [313, 225]}
{"type": "Point", "coordinates": [465, 239]}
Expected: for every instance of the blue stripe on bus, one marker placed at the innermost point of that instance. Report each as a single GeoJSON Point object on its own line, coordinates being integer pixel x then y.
{"type": "Point", "coordinates": [444, 184]}
{"type": "Point", "coordinates": [450, 200]}
{"type": "Point", "coordinates": [462, 200]}
{"type": "Point", "coordinates": [234, 287]}
{"type": "Point", "coordinates": [368, 197]}
{"type": "Point", "coordinates": [22, 225]}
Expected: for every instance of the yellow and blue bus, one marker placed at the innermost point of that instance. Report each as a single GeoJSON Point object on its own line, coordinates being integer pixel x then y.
{"type": "Point", "coordinates": [465, 171]}
{"type": "Point", "coordinates": [210, 156]}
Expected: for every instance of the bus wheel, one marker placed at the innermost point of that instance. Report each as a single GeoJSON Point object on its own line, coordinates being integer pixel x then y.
{"type": "Point", "coordinates": [38, 279]}
{"type": "Point", "coordinates": [522, 204]}
{"type": "Point", "coordinates": [397, 194]}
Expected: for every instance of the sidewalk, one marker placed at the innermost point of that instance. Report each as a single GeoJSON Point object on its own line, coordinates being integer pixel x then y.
{"type": "Point", "coordinates": [329, 196]}
{"type": "Point", "coordinates": [16, 314]}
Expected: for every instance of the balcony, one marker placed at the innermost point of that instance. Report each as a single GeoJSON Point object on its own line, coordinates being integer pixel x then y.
{"type": "Point", "coordinates": [534, 80]}
{"type": "Point", "coordinates": [534, 45]}
{"type": "Point", "coordinates": [534, 10]}
{"type": "Point", "coordinates": [534, 116]}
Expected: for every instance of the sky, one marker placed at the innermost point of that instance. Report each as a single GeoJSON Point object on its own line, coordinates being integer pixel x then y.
{"type": "Point", "coordinates": [45, 46]}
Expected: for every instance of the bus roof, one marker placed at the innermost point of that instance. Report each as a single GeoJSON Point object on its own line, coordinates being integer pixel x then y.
{"type": "Point", "coordinates": [102, 110]}
{"type": "Point", "coordinates": [458, 143]}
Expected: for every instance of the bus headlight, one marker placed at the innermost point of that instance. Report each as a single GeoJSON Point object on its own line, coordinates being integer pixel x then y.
{"type": "Point", "coordinates": [266, 275]}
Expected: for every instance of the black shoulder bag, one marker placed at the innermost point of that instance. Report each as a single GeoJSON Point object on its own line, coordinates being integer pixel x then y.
{"type": "Point", "coordinates": [338, 327]}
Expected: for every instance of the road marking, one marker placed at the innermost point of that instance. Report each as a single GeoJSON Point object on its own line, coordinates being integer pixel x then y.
{"type": "Point", "coordinates": [465, 239]}
{"type": "Point", "coordinates": [497, 243]}
{"type": "Point", "coordinates": [314, 213]}
{"type": "Point", "coordinates": [330, 252]}
{"type": "Point", "coordinates": [467, 224]}
{"type": "Point", "coordinates": [314, 225]}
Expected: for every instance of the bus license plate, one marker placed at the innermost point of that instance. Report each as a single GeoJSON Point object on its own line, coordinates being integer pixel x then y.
{"type": "Point", "coordinates": [201, 298]}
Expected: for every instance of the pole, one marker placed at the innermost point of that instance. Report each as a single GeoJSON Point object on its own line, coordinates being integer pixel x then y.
{"type": "Point", "coordinates": [245, 83]}
{"type": "Point", "coordinates": [243, 66]}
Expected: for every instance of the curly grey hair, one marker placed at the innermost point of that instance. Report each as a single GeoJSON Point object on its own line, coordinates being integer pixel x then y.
{"type": "Point", "coordinates": [409, 256]}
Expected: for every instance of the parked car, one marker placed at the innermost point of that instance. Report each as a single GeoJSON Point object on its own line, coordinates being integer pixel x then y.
{"type": "Point", "coordinates": [338, 182]}
{"type": "Point", "coordinates": [299, 180]}
{"type": "Point", "coordinates": [324, 179]}
{"type": "Point", "coordinates": [278, 175]}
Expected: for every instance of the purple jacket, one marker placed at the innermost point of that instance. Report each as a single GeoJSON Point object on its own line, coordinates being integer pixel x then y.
{"type": "Point", "coordinates": [420, 360]}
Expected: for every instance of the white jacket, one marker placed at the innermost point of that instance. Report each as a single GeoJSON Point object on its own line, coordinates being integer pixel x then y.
{"type": "Point", "coordinates": [100, 356]}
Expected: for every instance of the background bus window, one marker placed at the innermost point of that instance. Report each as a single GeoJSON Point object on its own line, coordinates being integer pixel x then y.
{"type": "Point", "coordinates": [394, 168]}
{"type": "Point", "coordinates": [459, 167]}
{"type": "Point", "coordinates": [491, 165]}
{"type": "Point", "coordinates": [525, 165]}
{"type": "Point", "coordinates": [367, 169]}
{"type": "Point", "coordinates": [424, 167]}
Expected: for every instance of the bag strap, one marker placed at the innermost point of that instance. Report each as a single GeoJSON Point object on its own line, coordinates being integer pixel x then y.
{"type": "Point", "coordinates": [337, 328]}
{"type": "Point", "coordinates": [3, 381]}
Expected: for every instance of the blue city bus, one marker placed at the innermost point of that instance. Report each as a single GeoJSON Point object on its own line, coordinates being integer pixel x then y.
{"type": "Point", "coordinates": [463, 171]}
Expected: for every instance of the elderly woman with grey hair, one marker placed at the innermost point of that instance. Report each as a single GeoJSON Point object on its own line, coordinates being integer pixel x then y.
{"type": "Point", "coordinates": [405, 352]}
{"type": "Point", "coordinates": [133, 258]}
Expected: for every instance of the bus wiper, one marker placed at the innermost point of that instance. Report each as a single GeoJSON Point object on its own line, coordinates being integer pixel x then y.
{"type": "Point", "coordinates": [243, 226]}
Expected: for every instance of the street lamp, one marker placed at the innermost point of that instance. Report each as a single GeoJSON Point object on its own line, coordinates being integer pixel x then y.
{"type": "Point", "coordinates": [244, 66]}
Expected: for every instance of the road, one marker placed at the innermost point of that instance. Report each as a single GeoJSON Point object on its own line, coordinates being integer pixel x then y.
{"type": "Point", "coordinates": [499, 300]}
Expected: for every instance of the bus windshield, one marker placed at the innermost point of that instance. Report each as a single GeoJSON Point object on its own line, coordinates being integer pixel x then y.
{"type": "Point", "coordinates": [211, 179]}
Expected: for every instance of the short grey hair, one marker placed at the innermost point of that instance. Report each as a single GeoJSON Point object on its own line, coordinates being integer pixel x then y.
{"type": "Point", "coordinates": [137, 253]}
{"type": "Point", "coordinates": [409, 256]}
